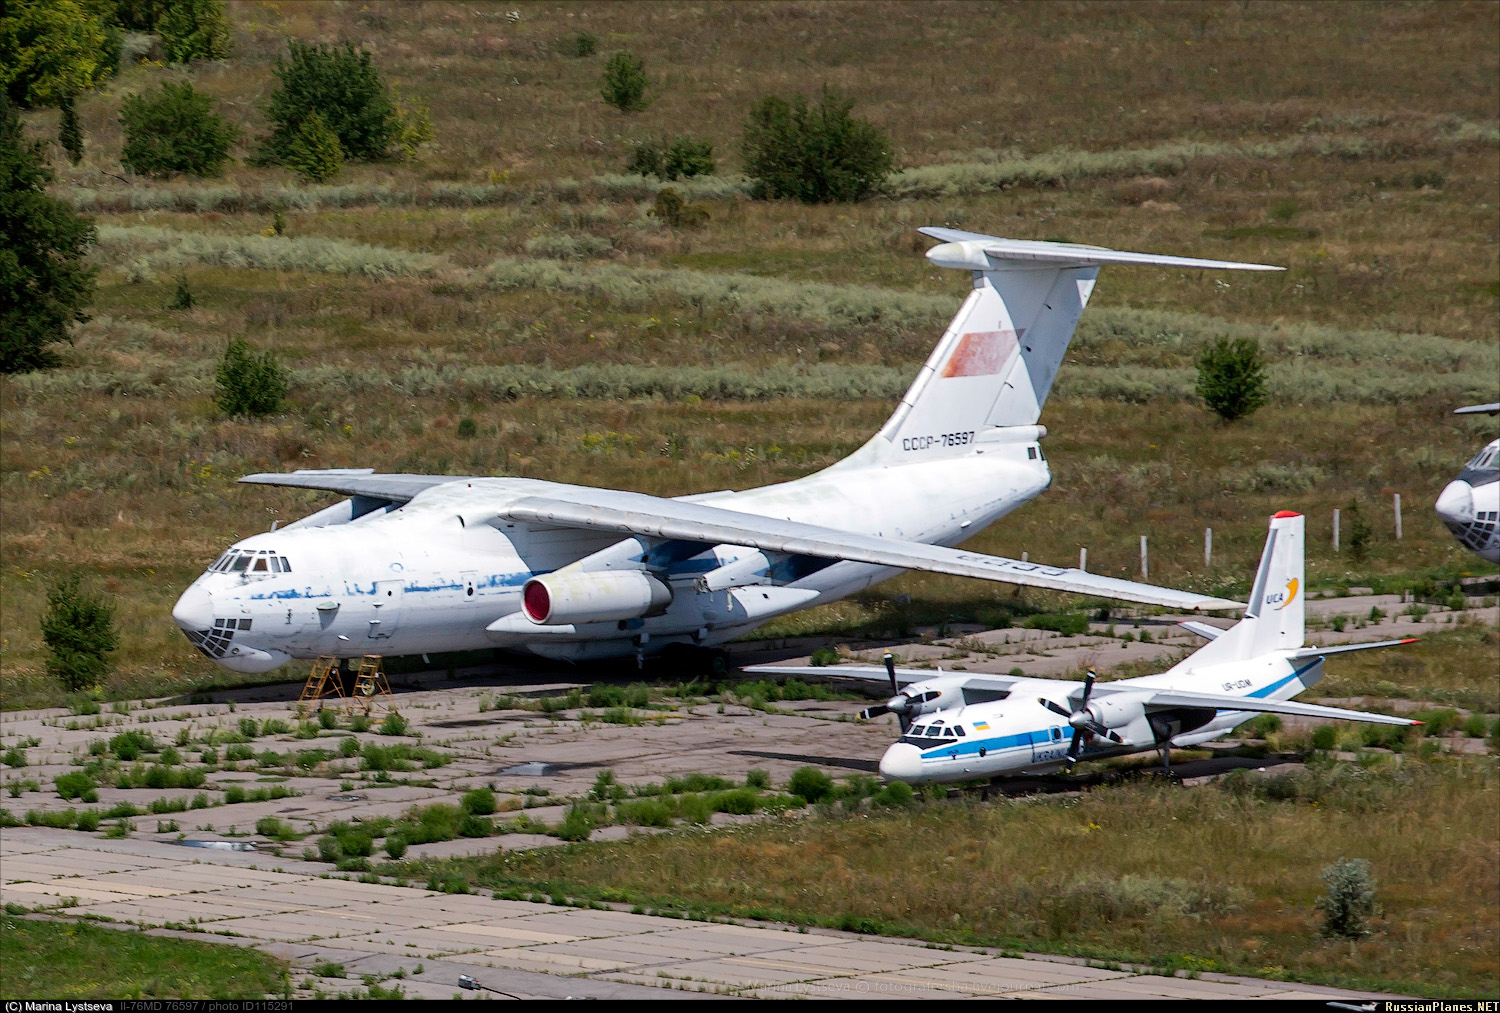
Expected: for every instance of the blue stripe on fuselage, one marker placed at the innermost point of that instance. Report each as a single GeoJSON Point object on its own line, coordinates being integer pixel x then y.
{"type": "Point", "coordinates": [953, 751]}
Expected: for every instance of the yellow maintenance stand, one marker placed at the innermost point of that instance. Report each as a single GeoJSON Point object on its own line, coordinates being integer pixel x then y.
{"type": "Point", "coordinates": [323, 682]}
{"type": "Point", "coordinates": [371, 689]}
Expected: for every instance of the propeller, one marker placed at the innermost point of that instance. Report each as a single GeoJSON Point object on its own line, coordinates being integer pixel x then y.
{"type": "Point", "coordinates": [898, 705]}
{"type": "Point", "coordinates": [1085, 726]}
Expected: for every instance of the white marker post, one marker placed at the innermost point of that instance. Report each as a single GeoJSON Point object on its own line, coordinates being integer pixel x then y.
{"type": "Point", "coordinates": [1145, 573]}
{"type": "Point", "coordinates": [1398, 517]}
{"type": "Point", "coordinates": [1083, 559]}
{"type": "Point", "coordinates": [1208, 547]}
{"type": "Point", "coordinates": [1335, 529]}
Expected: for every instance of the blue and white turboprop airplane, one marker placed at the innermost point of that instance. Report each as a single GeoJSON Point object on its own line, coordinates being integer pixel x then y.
{"type": "Point", "coordinates": [411, 564]}
{"type": "Point", "coordinates": [971, 727]}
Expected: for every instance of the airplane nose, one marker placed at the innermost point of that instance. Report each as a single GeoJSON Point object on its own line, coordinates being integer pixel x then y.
{"type": "Point", "coordinates": [902, 762]}
{"type": "Point", "coordinates": [1456, 503]}
{"type": "Point", "coordinates": [194, 610]}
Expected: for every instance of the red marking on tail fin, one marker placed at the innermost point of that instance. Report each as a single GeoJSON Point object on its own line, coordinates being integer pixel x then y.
{"type": "Point", "coordinates": [981, 353]}
{"type": "Point", "coordinates": [1286, 513]}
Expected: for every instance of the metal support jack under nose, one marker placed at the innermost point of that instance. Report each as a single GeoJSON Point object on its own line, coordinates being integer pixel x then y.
{"type": "Point", "coordinates": [1166, 759]}
{"type": "Point", "coordinates": [641, 639]}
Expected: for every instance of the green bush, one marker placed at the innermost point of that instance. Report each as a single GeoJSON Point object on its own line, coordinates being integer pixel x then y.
{"type": "Point", "coordinates": [77, 785]}
{"type": "Point", "coordinates": [576, 826]}
{"type": "Point", "coordinates": [394, 724]}
{"type": "Point", "coordinates": [646, 812]}
{"type": "Point", "coordinates": [395, 846]}
{"type": "Point", "coordinates": [1324, 737]}
{"type": "Point", "coordinates": [1069, 624]}
{"type": "Point", "coordinates": [247, 383]}
{"type": "Point", "coordinates": [174, 130]}
{"type": "Point", "coordinates": [581, 44]}
{"type": "Point", "coordinates": [736, 801]}
{"type": "Point", "coordinates": [475, 826]}
{"type": "Point", "coordinates": [758, 779]}
{"type": "Point", "coordinates": [340, 85]}
{"type": "Point", "coordinates": [328, 718]}
{"type": "Point", "coordinates": [816, 154]}
{"type": "Point", "coordinates": [810, 784]}
{"type": "Point", "coordinates": [1475, 726]}
{"type": "Point", "coordinates": [895, 795]}
{"type": "Point", "coordinates": [683, 157]}
{"type": "Point", "coordinates": [670, 209]}
{"type": "Point", "coordinates": [194, 30]}
{"type": "Point", "coordinates": [1350, 900]}
{"type": "Point", "coordinates": [314, 152]}
{"type": "Point", "coordinates": [479, 802]}
{"type": "Point", "coordinates": [1260, 726]}
{"type": "Point", "coordinates": [1231, 377]}
{"type": "Point", "coordinates": [825, 656]}
{"type": "Point", "coordinates": [79, 630]}
{"type": "Point", "coordinates": [16, 756]}
{"type": "Point", "coordinates": [234, 794]}
{"type": "Point", "coordinates": [625, 81]}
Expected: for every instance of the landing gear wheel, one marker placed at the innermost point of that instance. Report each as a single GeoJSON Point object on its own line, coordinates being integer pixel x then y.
{"type": "Point", "coordinates": [718, 662]}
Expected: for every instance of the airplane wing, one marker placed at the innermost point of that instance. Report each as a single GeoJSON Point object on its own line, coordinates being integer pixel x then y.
{"type": "Point", "coordinates": [1167, 698]}
{"type": "Point", "coordinates": [356, 482]}
{"type": "Point", "coordinates": [904, 676]}
{"type": "Point", "coordinates": [1317, 652]}
{"type": "Point", "coordinates": [631, 513]}
{"type": "Point", "coordinates": [1479, 409]}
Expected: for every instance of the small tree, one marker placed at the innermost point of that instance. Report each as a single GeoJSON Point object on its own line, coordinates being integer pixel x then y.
{"type": "Point", "coordinates": [69, 133]}
{"type": "Point", "coordinates": [247, 383]}
{"type": "Point", "coordinates": [415, 121]}
{"type": "Point", "coordinates": [49, 49]}
{"type": "Point", "coordinates": [625, 82]}
{"type": "Point", "coordinates": [79, 630]}
{"type": "Point", "coordinates": [1350, 901]}
{"type": "Point", "coordinates": [315, 153]}
{"type": "Point", "coordinates": [174, 130]}
{"type": "Point", "coordinates": [815, 154]}
{"type": "Point", "coordinates": [1231, 377]}
{"type": "Point", "coordinates": [581, 44]}
{"type": "Point", "coordinates": [194, 30]}
{"type": "Point", "coordinates": [1359, 532]}
{"type": "Point", "coordinates": [343, 87]}
{"type": "Point", "coordinates": [44, 283]}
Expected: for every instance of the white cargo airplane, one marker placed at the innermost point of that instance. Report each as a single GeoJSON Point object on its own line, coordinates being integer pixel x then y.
{"type": "Point", "coordinates": [970, 727]}
{"type": "Point", "coordinates": [412, 564]}
{"type": "Point", "coordinates": [1470, 504]}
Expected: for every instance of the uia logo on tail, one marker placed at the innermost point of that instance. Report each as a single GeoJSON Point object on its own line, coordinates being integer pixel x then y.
{"type": "Point", "coordinates": [1281, 599]}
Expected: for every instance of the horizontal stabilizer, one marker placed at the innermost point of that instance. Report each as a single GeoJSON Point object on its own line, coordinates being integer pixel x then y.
{"type": "Point", "coordinates": [1203, 630]}
{"type": "Point", "coordinates": [1479, 409]}
{"type": "Point", "coordinates": [1318, 652]}
{"type": "Point", "coordinates": [975, 251]}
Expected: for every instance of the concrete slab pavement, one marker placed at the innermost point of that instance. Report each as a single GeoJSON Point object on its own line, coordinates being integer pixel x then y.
{"type": "Point", "coordinates": [534, 950]}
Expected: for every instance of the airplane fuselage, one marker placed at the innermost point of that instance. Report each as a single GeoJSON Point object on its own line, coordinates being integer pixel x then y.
{"type": "Point", "coordinates": [436, 575]}
{"type": "Point", "coordinates": [1020, 735]}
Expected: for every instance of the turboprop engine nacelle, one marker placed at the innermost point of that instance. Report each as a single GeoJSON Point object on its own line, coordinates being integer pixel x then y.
{"type": "Point", "coordinates": [927, 696]}
{"type": "Point", "coordinates": [593, 597]}
{"type": "Point", "coordinates": [1122, 713]}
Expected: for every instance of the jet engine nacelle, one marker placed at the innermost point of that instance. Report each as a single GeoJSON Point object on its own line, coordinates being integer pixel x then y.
{"type": "Point", "coordinates": [1124, 714]}
{"type": "Point", "coordinates": [598, 596]}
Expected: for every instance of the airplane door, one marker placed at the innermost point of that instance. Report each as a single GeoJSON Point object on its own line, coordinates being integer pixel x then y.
{"type": "Point", "coordinates": [387, 609]}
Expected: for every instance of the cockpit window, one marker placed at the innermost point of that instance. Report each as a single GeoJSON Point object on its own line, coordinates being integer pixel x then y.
{"type": "Point", "coordinates": [1486, 460]}
{"type": "Point", "coordinates": [245, 561]}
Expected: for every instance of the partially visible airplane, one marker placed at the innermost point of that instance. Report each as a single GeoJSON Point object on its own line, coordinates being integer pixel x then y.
{"type": "Point", "coordinates": [412, 564]}
{"type": "Point", "coordinates": [970, 727]}
{"type": "Point", "coordinates": [1470, 504]}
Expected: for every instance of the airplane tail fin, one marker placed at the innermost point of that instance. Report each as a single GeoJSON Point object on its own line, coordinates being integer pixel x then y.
{"type": "Point", "coordinates": [994, 366]}
{"type": "Point", "coordinates": [1275, 618]}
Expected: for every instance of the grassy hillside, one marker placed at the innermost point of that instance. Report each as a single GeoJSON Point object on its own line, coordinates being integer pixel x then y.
{"type": "Point", "coordinates": [512, 274]}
